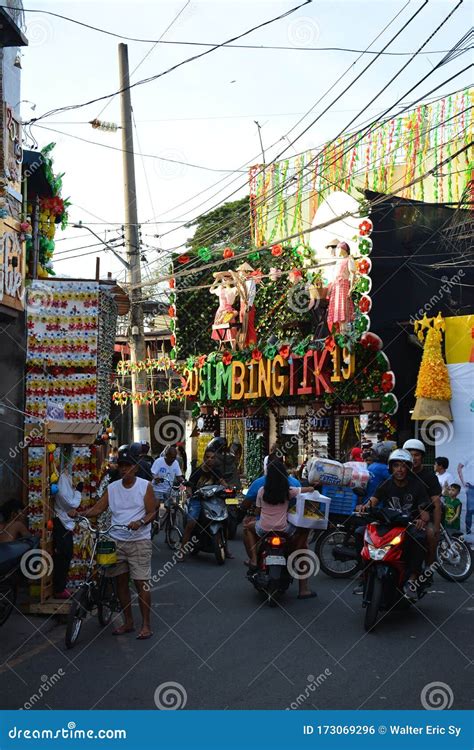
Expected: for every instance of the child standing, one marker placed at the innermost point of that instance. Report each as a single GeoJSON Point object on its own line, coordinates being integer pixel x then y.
{"type": "Point", "coordinates": [453, 507]}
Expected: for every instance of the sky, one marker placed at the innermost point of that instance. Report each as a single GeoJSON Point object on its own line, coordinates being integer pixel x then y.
{"type": "Point", "coordinates": [204, 113]}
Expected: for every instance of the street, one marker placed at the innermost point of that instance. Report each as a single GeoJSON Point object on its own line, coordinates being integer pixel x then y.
{"type": "Point", "coordinates": [222, 649]}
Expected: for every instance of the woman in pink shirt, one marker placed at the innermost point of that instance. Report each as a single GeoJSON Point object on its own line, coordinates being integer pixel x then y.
{"type": "Point", "coordinates": [273, 500]}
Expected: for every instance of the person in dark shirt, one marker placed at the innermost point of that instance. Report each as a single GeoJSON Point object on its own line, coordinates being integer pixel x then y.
{"type": "Point", "coordinates": [404, 492]}
{"type": "Point", "coordinates": [206, 474]}
{"type": "Point", "coordinates": [145, 462]}
{"type": "Point", "coordinates": [430, 482]}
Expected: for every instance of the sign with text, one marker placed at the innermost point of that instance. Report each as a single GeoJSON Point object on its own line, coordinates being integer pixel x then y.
{"type": "Point", "coordinates": [310, 375]}
{"type": "Point", "coordinates": [11, 265]}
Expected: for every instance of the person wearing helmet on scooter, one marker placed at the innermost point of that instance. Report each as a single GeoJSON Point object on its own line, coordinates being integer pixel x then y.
{"type": "Point", "coordinates": [430, 481]}
{"type": "Point", "coordinates": [404, 492]}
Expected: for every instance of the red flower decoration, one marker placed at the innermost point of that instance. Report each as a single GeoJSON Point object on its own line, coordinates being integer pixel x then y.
{"type": "Point", "coordinates": [183, 259]}
{"type": "Point", "coordinates": [376, 389]}
{"type": "Point", "coordinates": [295, 275]}
{"type": "Point", "coordinates": [277, 250]}
{"type": "Point", "coordinates": [329, 343]}
{"type": "Point", "coordinates": [171, 283]}
{"type": "Point", "coordinates": [171, 311]}
{"type": "Point", "coordinates": [365, 227]}
{"type": "Point", "coordinates": [284, 351]}
{"type": "Point", "coordinates": [365, 304]}
{"type": "Point", "coordinates": [256, 275]}
{"type": "Point", "coordinates": [201, 360]}
{"type": "Point", "coordinates": [227, 358]}
{"type": "Point", "coordinates": [228, 253]}
{"type": "Point", "coordinates": [388, 381]}
{"type": "Point", "coordinates": [173, 340]}
{"type": "Point", "coordinates": [363, 266]}
{"type": "Point", "coordinates": [257, 355]}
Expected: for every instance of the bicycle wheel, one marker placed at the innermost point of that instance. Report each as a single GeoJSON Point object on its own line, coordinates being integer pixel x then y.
{"type": "Point", "coordinates": [174, 529]}
{"type": "Point", "coordinates": [454, 559]}
{"type": "Point", "coordinates": [77, 614]}
{"type": "Point", "coordinates": [107, 602]}
{"type": "Point", "coordinates": [326, 546]}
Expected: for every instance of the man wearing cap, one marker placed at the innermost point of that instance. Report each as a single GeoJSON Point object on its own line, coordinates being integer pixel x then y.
{"type": "Point", "coordinates": [131, 503]}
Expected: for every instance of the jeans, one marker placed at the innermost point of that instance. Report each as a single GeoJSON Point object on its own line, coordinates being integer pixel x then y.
{"type": "Point", "coordinates": [469, 507]}
{"type": "Point", "coordinates": [62, 555]}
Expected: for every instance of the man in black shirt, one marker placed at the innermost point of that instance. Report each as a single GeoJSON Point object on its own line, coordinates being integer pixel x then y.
{"type": "Point", "coordinates": [428, 479]}
{"type": "Point", "coordinates": [404, 492]}
{"type": "Point", "coordinates": [206, 474]}
{"type": "Point", "coordinates": [145, 462]}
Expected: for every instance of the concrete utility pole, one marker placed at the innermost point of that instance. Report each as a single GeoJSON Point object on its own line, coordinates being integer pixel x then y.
{"type": "Point", "coordinates": [141, 419]}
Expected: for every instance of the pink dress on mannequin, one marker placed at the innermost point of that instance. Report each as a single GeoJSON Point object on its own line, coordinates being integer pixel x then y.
{"type": "Point", "coordinates": [225, 313]}
{"type": "Point", "coordinates": [341, 307]}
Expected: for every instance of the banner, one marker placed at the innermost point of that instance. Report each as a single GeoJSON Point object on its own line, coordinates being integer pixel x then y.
{"type": "Point", "coordinates": [455, 440]}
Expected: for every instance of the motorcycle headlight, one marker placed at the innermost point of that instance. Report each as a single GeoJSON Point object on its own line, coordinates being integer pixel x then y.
{"type": "Point", "coordinates": [378, 553]}
{"type": "Point", "coordinates": [397, 540]}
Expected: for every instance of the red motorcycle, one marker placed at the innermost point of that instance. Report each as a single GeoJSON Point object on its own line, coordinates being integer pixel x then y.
{"type": "Point", "coordinates": [385, 572]}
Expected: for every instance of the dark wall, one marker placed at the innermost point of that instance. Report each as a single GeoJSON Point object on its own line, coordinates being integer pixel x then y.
{"type": "Point", "coordinates": [409, 238]}
{"type": "Point", "coordinates": [12, 372]}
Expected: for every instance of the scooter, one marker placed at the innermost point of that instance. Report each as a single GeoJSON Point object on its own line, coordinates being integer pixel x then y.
{"type": "Point", "coordinates": [384, 570]}
{"type": "Point", "coordinates": [272, 577]}
{"type": "Point", "coordinates": [11, 554]}
{"type": "Point", "coordinates": [209, 530]}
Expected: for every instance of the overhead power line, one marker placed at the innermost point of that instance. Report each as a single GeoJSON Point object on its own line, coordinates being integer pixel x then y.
{"type": "Point", "coordinates": [176, 42]}
{"type": "Point", "coordinates": [172, 68]}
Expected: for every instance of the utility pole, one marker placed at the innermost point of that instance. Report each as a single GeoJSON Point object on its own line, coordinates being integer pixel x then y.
{"type": "Point", "coordinates": [141, 419]}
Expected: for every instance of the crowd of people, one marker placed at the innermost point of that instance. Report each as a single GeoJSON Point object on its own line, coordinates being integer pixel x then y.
{"type": "Point", "coordinates": [139, 484]}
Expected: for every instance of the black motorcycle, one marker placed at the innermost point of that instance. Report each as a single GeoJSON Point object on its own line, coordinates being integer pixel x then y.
{"type": "Point", "coordinates": [209, 532]}
{"type": "Point", "coordinates": [11, 554]}
{"type": "Point", "coordinates": [272, 577]}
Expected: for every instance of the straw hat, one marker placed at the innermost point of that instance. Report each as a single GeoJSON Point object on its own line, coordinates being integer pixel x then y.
{"type": "Point", "coordinates": [245, 267]}
{"type": "Point", "coordinates": [333, 243]}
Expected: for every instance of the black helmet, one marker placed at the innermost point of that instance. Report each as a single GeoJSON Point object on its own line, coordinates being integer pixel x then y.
{"type": "Point", "coordinates": [217, 444]}
{"type": "Point", "coordinates": [144, 446]}
{"type": "Point", "coordinates": [129, 454]}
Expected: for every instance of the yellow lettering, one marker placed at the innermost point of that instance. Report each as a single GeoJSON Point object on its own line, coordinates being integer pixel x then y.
{"type": "Point", "coordinates": [279, 381]}
{"type": "Point", "coordinates": [238, 380]}
{"type": "Point", "coordinates": [264, 378]}
{"type": "Point", "coordinates": [348, 369]}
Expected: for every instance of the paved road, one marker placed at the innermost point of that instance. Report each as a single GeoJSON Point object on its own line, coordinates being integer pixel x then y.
{"type": "Point", "coordinates": [213, 637]}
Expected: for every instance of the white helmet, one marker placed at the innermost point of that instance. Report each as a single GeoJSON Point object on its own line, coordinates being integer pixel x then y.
{"type": "Point", "coordinates": [400, 454]}
{"type": "Point", "coordinates": [414, 445]}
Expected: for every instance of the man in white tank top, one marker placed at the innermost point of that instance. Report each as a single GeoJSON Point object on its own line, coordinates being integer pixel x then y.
{"type": "Point", "coordinates": [132, 504]}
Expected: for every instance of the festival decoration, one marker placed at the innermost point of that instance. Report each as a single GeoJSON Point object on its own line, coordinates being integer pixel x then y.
{"type": "Point", "coordinates": [365, 303]}
{"type": "Point", "coordinates": [433, 387]}
{"type": "Point", "coordinates": [228, 253]}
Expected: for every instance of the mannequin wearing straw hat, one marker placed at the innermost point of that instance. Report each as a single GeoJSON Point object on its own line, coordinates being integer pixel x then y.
{"type": "Point", "coordinates": [225, 289]}
{"type": "Point", "coordinates": [247, 304]}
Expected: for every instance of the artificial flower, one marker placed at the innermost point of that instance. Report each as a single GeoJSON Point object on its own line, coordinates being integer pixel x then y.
{"type": "Point", "coordinates": [227, 358]}
{"type": "Point", "coordinates": [277, 250]}
{"type": "Point", "coordinates": [284, 351]}
{"type": "Point", "coordinates": [256, 355]}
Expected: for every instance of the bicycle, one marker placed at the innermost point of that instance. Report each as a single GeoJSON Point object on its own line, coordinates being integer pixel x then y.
{"type": "Point", "coordinates": [97, 590]}
{"type": "Point", "coordinates": [173, 519]}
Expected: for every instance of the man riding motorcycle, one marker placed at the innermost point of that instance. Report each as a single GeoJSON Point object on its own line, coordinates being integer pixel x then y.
{"type": "Point", "coordinates": [404, 492]}
{"type": "Point", "coordinates": [430, 482]}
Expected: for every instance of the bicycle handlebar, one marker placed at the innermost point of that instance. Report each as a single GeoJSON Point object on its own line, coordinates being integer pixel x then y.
{"type": "Point", "coordinates": [101, 532]}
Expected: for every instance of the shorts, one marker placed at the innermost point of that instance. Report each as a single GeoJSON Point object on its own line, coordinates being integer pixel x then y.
{"type": "Point", "coordinates": [194, 509]}
{"type": "Point", "coordinates": [132, 557]}
{"type": "Point", "coordinates": [161, 494]}
{"type": "Point", "coordinates": [289, 531]}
